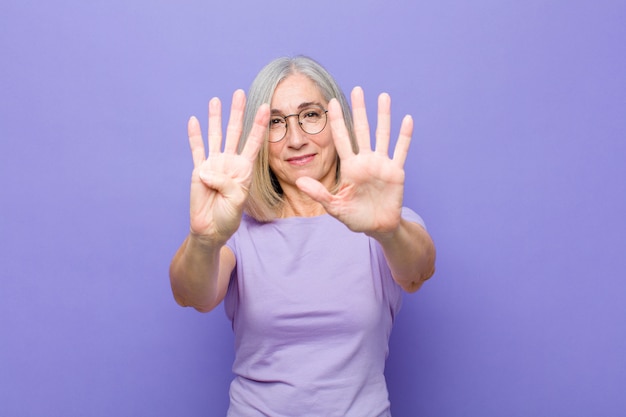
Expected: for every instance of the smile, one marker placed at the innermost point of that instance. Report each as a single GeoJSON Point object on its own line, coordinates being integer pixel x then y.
{"type": "Point", "coordinates": [301, 160]}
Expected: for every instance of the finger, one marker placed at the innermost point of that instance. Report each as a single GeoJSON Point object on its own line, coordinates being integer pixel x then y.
{"type": "Point", "coordinates": [361, 126]}
{"type": "Point", "coordinates": [341, 137]}
{"type": "Point", "coordinates": [224, 185]}
{"type": "Point", "coordinates": [235, 122]}
{"type": "Point", "coordinates": [215, 126]}
{"type": "Point", "coordinates": [257, 133]}
{"type": "Point", "coordinates": [195, 141]}
{"type": "Point", "coordinates": [383, 125]}
{"type": "Point", "coordinates": [315, 190]}
{"type": "Point", "coordinates": [404, 140]}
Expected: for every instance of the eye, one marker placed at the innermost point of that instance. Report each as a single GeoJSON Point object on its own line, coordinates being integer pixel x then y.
{"type": "Point", "coordinates": [311, 114]}
{"type": "Point", "coordinates": [276, 121]}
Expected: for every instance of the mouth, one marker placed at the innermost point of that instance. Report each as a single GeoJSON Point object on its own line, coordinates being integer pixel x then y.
{"type": "Point", "coordinates": [301, 159]}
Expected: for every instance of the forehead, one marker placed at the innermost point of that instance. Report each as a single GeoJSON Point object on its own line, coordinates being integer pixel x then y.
{"type": "Point", "coordinates": [295, 90]}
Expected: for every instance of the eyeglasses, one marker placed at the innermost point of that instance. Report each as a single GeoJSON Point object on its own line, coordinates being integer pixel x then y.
{"type": "Point", "coordinates": [312, 120]}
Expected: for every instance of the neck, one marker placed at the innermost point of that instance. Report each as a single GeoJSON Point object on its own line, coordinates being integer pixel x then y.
{"type": "Point", "coordinates": [298, 204]}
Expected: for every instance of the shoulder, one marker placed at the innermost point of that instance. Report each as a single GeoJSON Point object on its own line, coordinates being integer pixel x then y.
{"type": "Point", "coordinates": [412, 216]}
{"type": "Point", "coordinates": [247, 224]}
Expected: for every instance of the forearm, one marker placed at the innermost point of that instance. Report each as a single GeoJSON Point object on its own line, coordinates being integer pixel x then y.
{"type": "Point", "coordinates": [194, 274]}
{"type": "Point", "coordinates": [410, 254]}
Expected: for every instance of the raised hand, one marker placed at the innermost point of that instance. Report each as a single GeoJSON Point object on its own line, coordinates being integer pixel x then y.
{"type": "Point", "coordinates": [369, 198]}
{"type": "Point", "coordinates": [220, 182]}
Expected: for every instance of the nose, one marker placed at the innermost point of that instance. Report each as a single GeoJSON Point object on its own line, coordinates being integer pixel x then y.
{"type": "Point", "coordinates": [295, 136]}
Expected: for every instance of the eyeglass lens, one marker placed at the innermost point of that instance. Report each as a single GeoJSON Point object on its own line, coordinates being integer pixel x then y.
{"type": "Point", "coordinates": [312, 120]}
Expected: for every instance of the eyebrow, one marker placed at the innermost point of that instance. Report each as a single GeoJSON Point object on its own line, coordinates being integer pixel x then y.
{"type": "Point", "coordinates": [300, 107]}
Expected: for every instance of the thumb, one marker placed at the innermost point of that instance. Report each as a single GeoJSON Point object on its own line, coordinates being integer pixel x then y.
{"type": "Point", "coordinates": [315, 190]}
{"type": "Point", "coordinates": [224, 185]}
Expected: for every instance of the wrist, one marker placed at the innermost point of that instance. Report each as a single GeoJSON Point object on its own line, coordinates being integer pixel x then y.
{"type": "Point", "coordinates": [205, 242]}
{"type": "Point", "coordinates": [385, 237]}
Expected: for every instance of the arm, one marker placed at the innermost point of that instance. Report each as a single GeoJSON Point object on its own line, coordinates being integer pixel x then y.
{"type": "Point", "coordinates": [201, 268]}
{"type": "Point", "coordinates": [371, 188]}
{"type": "Point", "coordinates": [410, 253]}
{"type": "Point", "coordinates": [200, 273]}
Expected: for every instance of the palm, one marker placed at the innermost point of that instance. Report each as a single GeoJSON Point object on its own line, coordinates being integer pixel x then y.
{"type": "Point", "coordinates": [371, 185]}
{"type": "Point", "coordinates": [370, 193]}
{"type": "Point", "coordinates": [220, 183]}
{"type": "Point", "coordinates": [214, 207]}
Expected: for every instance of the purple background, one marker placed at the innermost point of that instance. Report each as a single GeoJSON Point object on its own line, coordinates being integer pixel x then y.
{"type": "Point", "coordinates": [517, 166]}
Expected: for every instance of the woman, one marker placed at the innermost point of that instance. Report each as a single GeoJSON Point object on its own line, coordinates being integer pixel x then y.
{"type": "Point", "coordinates": [300, 229]}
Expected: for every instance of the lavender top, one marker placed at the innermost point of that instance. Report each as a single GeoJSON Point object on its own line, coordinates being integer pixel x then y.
{"type": "Point", "coordinates": [312, 305]}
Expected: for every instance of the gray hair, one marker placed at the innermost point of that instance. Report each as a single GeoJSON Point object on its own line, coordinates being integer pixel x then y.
{"type": "Point", "coordinates": [266, 197]}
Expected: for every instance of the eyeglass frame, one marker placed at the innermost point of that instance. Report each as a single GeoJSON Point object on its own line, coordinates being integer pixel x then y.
{"type": "Point", "coordinates": [325, 112]}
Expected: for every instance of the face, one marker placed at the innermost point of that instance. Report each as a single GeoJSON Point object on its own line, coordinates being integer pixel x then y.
{"type": "Point", "coordinates": [301, 154]}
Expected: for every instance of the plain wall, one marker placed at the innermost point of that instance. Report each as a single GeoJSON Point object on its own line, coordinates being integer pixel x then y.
{"type": "Point", "coordinates": [517, 166]}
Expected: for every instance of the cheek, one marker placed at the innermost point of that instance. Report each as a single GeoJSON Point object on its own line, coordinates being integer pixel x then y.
{"type": "Point", "coordinates": [325, 141]}
{"type": "Point", "coordinates": [328, 146]}
{"type": "Point", "coordinates": [273, 152]}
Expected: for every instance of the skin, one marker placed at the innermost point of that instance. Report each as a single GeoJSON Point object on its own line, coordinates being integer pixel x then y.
{"type": "Point", "coordinates": [369, 199]}
{"type": "Point", "coordinates": [299, 154]}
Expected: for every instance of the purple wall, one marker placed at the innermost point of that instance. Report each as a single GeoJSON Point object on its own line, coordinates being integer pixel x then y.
{"type": "Point", "coordinates": [518, 167]}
